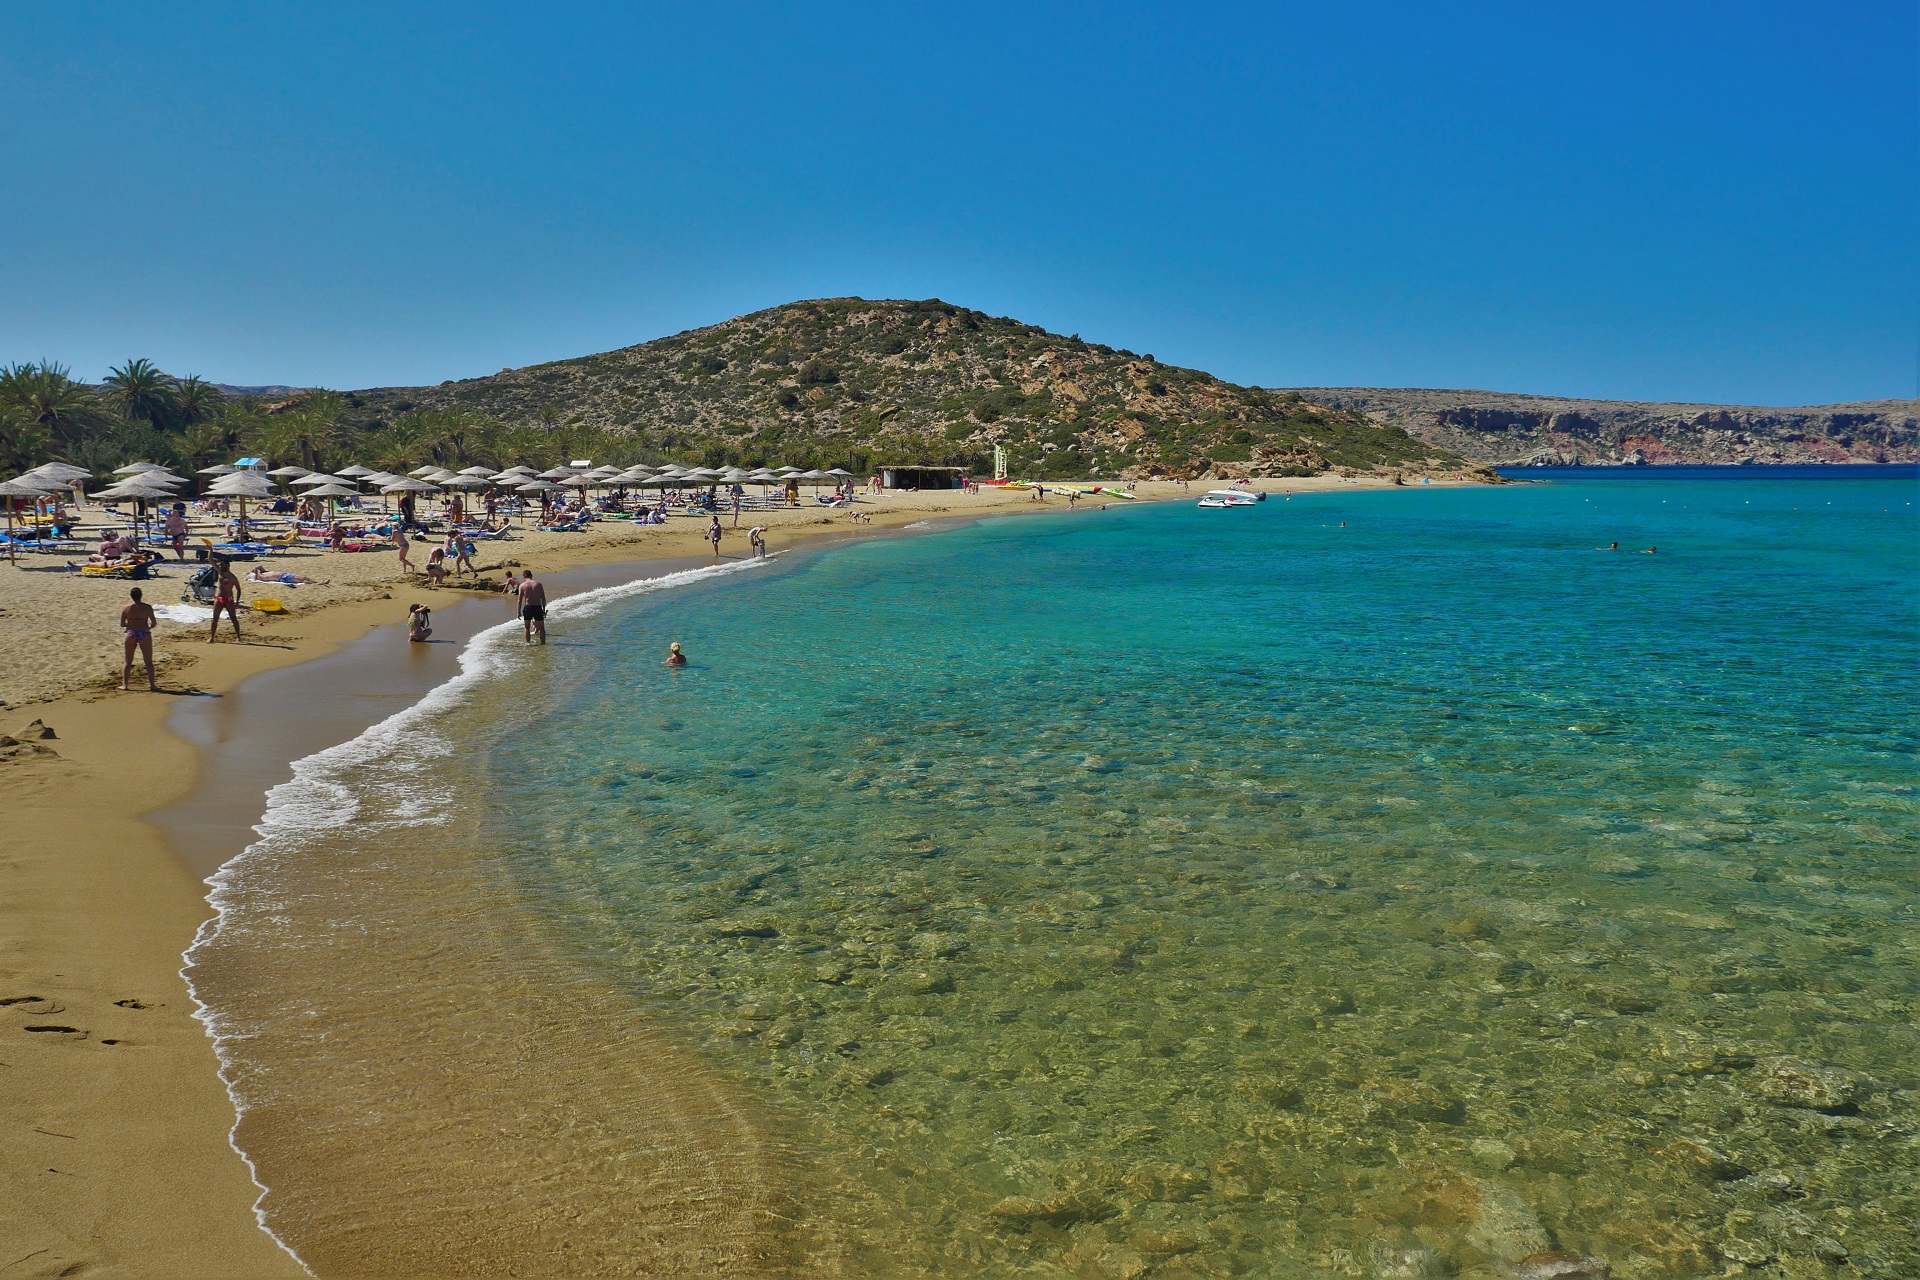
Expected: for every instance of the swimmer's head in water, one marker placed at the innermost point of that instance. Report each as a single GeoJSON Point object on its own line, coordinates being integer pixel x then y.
{"type": "Point", "coordinates": [674, 647]}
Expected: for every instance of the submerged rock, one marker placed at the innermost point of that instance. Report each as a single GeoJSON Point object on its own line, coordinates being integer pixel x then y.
{"type": "Point", "coordinates": [1561, 1266]}
{"type": "Point", "coordinates": [1167, 1182]}
{"type": "Point", "coordinates": [1794, 1082]}
{"type": "Point", "coordinates": [1060, 1209]}
{"type": "Point", "coordinates": [1406, 1264]}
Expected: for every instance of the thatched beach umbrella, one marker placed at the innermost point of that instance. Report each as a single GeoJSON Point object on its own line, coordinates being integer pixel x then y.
{"type": "Point", "coordinates": [26, 486]}
{"type": "Point", "coordinates": [355, 471]}
{"type": "Point", "coordinates": [242, 485]}
{"type": "Point", "coordinates": [429, 469]}
{"type": "Point", "coordinates": [140, 493]}
{"type": "Point", "coordinates": [133, 467]}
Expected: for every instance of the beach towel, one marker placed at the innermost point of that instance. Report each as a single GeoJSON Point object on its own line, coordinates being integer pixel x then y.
{"type": "Point", "coordinates": [187, 613]}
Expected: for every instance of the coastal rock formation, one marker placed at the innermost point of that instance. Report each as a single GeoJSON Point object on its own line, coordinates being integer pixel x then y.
{"type": "Point", "coordinates": [1521, 430]}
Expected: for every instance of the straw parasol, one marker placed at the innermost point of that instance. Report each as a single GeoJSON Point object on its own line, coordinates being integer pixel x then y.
{"type": "Point", "coordinates": [318, 477]}
{"type": "Point", "coordinates": [242, 485]}
{"type": "Point", "coordinates": [217, 469]}
{"type": "Point", "coordinates": [557, 473]}
{"type": "Point", "coordinates": [356, 471]}
{"type": "Point", "coordinates": [133, 467]}
{"type": "Point", "coordinates": [134, 487]}
{"type": "Point", "coordinates": [60, 472]}
{"type": "Point", "coordinates": [26, 486]}
{"type": "Point", "coordinates": [429, 469]}
{"type": "Point", "coordinates": [482, 472]}
{"type": "Point", "coordinates": [407, 484]}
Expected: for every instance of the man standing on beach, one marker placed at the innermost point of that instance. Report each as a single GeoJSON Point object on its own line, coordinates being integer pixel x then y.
{"type": "Point", "coordinates": [533, 607]}
{"type": "Point", "coordinates": [177, 529]}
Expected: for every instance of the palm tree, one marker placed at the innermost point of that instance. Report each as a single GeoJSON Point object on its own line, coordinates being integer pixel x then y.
{"type": "Point", "coordinates": [65, 409]}
{"type": "Point", "coordinates": [204, 442]}
{"type": "Point", "coordinates": [195, 400]}
{"type": "Point", "coordinates": [142, 392]}
{"type": "Point", "coordinates": [309, 429]}
{"type": "Point", "coordinates": [24, 443]}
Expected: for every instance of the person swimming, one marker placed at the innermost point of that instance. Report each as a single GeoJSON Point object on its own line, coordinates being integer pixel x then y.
{"type": "Point", "coordinates": [675, 658]}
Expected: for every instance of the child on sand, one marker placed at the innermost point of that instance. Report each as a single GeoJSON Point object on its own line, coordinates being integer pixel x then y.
{"type": "Point", "coordinates": [419, 623]}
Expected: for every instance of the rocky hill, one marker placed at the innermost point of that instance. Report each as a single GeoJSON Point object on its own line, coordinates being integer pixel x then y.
{"type": "Point", "coordinates": [857, 382]}
{"type": "Point", "coordinates": [1502, 429]}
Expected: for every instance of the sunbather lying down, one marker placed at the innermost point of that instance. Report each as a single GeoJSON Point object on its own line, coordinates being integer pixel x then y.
{"type": "Point", "coordinates": [263, 574]}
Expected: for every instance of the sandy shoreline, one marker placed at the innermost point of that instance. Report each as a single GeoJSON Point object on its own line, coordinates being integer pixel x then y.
{"type": "Point", "coordinates": [116, 1124]}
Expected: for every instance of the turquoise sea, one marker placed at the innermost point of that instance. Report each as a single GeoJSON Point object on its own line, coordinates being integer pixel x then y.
{"type": "Point", "coordinates": [1384, 884]}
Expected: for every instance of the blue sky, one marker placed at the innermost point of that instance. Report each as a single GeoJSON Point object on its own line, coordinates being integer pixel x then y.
{"type": "Point", "coordinates": [1656, 201]}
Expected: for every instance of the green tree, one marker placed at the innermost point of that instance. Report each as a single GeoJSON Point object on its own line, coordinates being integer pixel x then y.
{"type": "Point", "coordinates": [24, 443]}
{"type": "Point", "coordinates": [142, 393]}
{"type": "Point", "coordinates": [64, 409]}
{"type": "Point", "coordinates": [195, 400]}
{"type": "Point", "coordinates": [305, 433]}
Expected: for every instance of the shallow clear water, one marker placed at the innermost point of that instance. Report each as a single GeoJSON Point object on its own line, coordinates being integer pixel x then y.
{"type": "Point", "coordinates": [1383, 883]}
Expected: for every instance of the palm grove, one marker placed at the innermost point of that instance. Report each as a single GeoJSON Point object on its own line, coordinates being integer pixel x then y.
{"type": "Point", "coordinates": [140, 413]}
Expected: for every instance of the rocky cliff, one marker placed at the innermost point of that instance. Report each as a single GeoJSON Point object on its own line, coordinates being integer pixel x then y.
{"type": "Point", "coordinates": [1519, 430]}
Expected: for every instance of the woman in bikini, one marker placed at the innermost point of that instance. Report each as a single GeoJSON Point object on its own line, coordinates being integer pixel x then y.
{"type": "Point", "coordinates": [226, 595]}
{"type": "Point", "coordinates": [136, 625]}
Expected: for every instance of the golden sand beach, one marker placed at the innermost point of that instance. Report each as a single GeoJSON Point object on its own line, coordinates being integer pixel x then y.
{"type": "Point", "coordinates": [116, 1124]}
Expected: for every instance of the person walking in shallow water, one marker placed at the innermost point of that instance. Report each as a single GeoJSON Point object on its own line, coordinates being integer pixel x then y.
{"type": "Point", "coordinates": [533, 607]}
{"type": "Point", "coordinates": [136, 626]}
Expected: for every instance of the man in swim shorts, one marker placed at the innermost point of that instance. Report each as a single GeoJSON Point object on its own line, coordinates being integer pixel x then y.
{"type": "Point", "coordinates": [136, 625]}
{"type": "Point", "coordinates": [177, 529]}
{"type": "Point", "coordinates": [533, 607]}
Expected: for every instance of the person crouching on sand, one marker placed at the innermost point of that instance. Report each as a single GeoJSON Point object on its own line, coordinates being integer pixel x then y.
{"type": "Point", "coordinates": [419, 623]}
{"type": "Point", "coordinates": [136, 625]}
{"type": "Point", "coordinates": [675, 658]}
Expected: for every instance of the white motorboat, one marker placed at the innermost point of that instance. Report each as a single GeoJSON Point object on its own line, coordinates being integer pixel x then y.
{"type": "Point", "coordinates": [1230, 498]}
